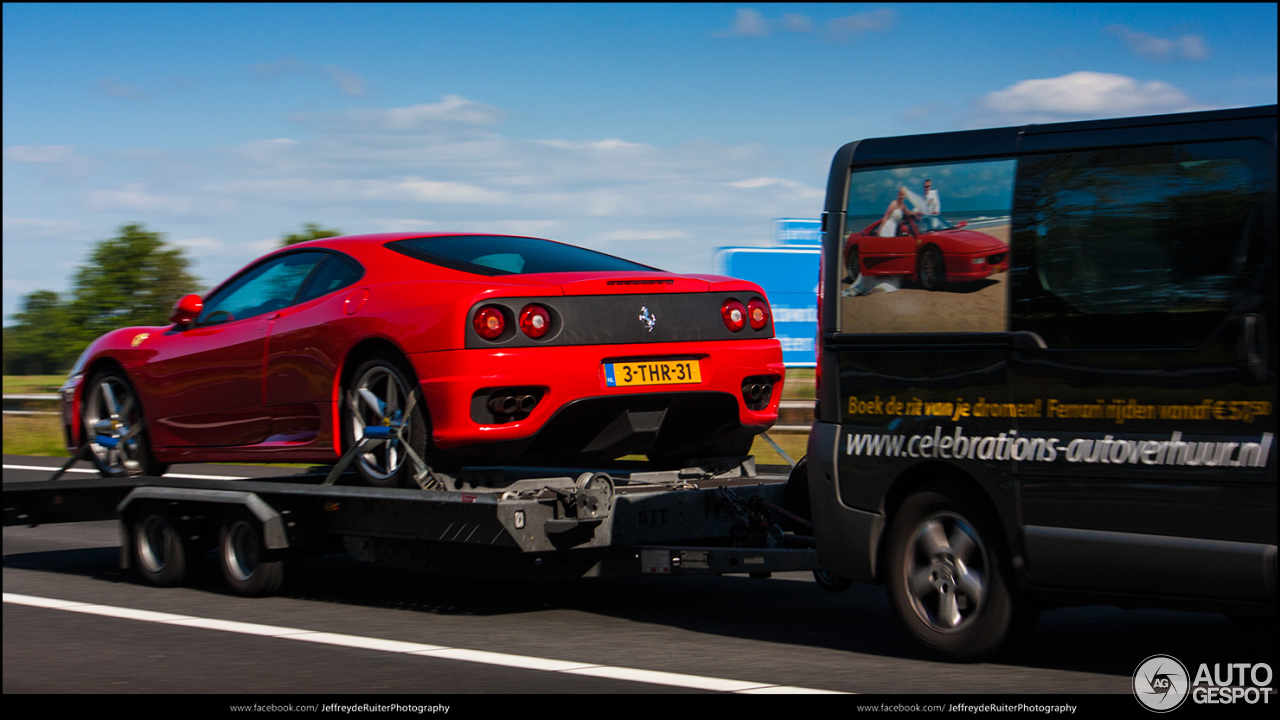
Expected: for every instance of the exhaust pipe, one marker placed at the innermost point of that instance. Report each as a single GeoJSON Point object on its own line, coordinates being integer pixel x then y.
{"type": "Point", "coordinates": [526, 403]}
{"type": "Point", "coordinates": [503, 405]}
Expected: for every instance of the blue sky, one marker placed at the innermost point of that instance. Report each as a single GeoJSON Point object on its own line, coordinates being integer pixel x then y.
{"type": "Point", "coordinates": [655, 132]}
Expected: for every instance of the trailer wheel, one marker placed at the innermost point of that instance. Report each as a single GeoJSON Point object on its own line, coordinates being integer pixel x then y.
{"type": "Point", "coordinates": [160, 552]}
{"type": "Point", "coordinates": [243, 556]}
{"type": "Point", "coordinates": [831, 582]}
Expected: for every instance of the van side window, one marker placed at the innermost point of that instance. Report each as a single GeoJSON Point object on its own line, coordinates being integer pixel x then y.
{"type": "Point", "coordinates": [1134, 247]}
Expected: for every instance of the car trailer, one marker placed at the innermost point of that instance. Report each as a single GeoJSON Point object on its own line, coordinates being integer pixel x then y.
{"type": "Point", "coordinates": [717, 516]}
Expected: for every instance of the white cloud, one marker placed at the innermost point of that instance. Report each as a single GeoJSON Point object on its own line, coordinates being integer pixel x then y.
{"type": "Point", "coordinates": [135, 198]}
{"type": "Point", "coordinates": [55, 159]}
{"type": "Point", "coordinates": [415, 188]}
{"type": "Point", "coordinates": [346, 81]}
{"type": "Point", "coordinates": [21, 228]}
{"type": "Point", "coordinates": [199, 243]}
{"type": "Point", "coordinates": [39, 153]}
{"type": "Point", "coordinates": [636, 235]}
{"type": "Point", "coordinates": [795, 22]}
{"type": "Point", "coordinates": [610, 144]}
{"type": "Point", "coordinates": [1084, 95]}
{"type": "Point", "coordinates": [113, 87]}
{"type": "Point", "coordinates": [844, 29]}
{"type": "Point", "coordinates": [1152, 47]}
{"type": "Point", "coordinates": [746, 23]}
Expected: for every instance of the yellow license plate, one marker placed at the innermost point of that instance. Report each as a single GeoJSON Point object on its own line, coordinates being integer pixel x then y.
{"type": "Point", "coordinates": [658, 372]}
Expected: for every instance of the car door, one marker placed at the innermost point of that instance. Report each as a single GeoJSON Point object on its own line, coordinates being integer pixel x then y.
{"type": "Point", "coordinates": [209, 377]}
{"type": "Point", "coordinates": [305, 347]}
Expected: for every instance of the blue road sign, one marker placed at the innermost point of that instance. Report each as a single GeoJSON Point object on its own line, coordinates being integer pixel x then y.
{"type": "Point", "coordinates": [789, 277]}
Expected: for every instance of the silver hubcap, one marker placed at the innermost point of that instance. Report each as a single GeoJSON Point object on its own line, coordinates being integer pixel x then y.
{"type": "Point", "coordinates": [111, 410]}
{"type": "Point", "coordinates": [946, 570]}
{"type": "Point", "coordinates": [240, 553]}
{"type": "Point", "coordinates": [154, 537]}
{"type": "Point", "coordinates": [378, 398]}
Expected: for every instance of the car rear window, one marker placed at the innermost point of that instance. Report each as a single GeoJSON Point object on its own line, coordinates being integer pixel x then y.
{"type": "Point", "coordinates": [503, 255]}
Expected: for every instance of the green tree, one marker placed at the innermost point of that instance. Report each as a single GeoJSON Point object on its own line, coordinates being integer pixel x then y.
{"type": "Point", "coordinates": [42, 341]}
{"type": "Point", "coordinates": [310, 231]}
{"type": "Point", "coordinates": [130, 279]}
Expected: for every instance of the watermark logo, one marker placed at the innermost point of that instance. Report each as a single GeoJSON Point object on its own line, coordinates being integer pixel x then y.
{"type": "Point", "coordinates": [1160, 683]}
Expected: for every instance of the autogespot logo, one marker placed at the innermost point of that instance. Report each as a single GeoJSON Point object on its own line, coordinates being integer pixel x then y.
{"type": "Point", "coordinates": [1160, 683]}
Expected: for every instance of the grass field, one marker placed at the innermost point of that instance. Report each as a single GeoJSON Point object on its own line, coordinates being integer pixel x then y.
{"type": "Point", "coordinates": [42, 434]}
{"type": "Point", "coordinates": [32, 384]}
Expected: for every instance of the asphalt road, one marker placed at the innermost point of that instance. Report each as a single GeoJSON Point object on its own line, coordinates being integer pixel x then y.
{"type": "Point", "coordinates": [590, 636]}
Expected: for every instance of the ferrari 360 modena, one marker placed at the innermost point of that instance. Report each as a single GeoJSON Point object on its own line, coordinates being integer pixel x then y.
{"type": "Point", "coordinates": [477, 349]}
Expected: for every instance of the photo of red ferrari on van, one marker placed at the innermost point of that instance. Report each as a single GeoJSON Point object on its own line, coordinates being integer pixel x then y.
{"type": "Point", "coordinates": [926, 249]}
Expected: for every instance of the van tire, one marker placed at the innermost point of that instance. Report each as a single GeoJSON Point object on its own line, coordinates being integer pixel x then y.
{"type": "Point", "coordinates": [948, 576]}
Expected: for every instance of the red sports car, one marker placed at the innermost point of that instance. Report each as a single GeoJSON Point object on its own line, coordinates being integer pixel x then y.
{"type": "Point", "coordinates": [928, 249]}
{"type": "Point", "coordinates": [474, 348]}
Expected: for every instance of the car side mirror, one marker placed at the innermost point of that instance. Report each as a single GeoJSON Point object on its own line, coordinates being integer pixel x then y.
{"type": "Point", "coordinates": [186, 310]}
{"type": "Point", "coordinates": [962, 223]}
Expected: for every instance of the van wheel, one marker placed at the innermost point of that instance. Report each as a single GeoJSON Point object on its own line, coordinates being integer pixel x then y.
{"type": "Point", "coordinates": [948, 576]}
{"type": "Point", "coordinates": [161, 554]}
{"type": "Point", "coordinates": [243, 556]}
{"type": "Point", "coordinates": [931, 271]}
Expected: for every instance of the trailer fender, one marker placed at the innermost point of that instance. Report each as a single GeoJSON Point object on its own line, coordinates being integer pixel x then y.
{"type": "Point", "coordinates": [273, 531]}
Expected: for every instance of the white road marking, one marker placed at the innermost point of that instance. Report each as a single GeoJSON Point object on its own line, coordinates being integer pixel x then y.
{"type": "Point", "coordinates": [524, 662]}
{"type": "Point", "coordinates": [95, 472]}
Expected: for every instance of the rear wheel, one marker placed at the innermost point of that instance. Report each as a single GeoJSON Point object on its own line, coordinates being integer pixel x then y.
{"type": "Point", "coordinates": [110, 409]}
{"type": "Point", "coordinates": [948, 575]}
{"type": "Point", "coordinates": [243, 556]}
{"type": "Point", "coordinates": [930, 269]}
{"type": "Point", "coordinates": [380, 392]}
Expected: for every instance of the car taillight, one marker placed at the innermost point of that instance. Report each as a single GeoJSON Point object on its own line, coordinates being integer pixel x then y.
{"type": "Point", "coordinates": [489, 323]}
{"type": "Point", "coordinates": [757, 314]}
{"type": "Point", "coordinates": [535, 321]}
{"type": "Point", "coordinates": [734, 315]}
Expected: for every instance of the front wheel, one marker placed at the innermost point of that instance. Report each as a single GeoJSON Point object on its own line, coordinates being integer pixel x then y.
{"type": "Point", "coordinates": [948, 576]}
{"type": "Point", "coordinates": [931, 271]}
{"type": "Point", "coordinates": [110, 410]}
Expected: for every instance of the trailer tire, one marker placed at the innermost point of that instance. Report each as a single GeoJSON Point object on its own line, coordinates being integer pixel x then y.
{"type": "Point", "coordinates": [243, 556]}
{"type": "Point", "coordinates": [830, 582]}
{"type": "Point", "coordinates": [162, 556]}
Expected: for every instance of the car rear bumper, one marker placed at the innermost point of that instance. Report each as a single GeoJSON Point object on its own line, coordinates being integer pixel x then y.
{"type": "Point", "coordinates": [456, 383]}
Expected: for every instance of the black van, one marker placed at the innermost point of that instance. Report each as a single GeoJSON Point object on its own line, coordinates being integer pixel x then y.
{"type": "Point", "coordinates": [1046, 371]}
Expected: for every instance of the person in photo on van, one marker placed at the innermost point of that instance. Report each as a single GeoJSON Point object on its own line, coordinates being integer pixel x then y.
{"type": "Point", "coordinates": [894, 213]}
{"type": "Point", "coordinates": [932, 205]}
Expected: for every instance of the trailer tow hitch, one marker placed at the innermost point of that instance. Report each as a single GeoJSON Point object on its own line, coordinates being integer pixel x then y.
{"type": "Point", "coordinates": [588, 502]}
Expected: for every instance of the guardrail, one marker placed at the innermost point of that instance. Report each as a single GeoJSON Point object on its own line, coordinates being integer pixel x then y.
{"type": "Point", "coordinates": [794, 416]}
{"type": "Point", "coordinates": [17, 403]}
